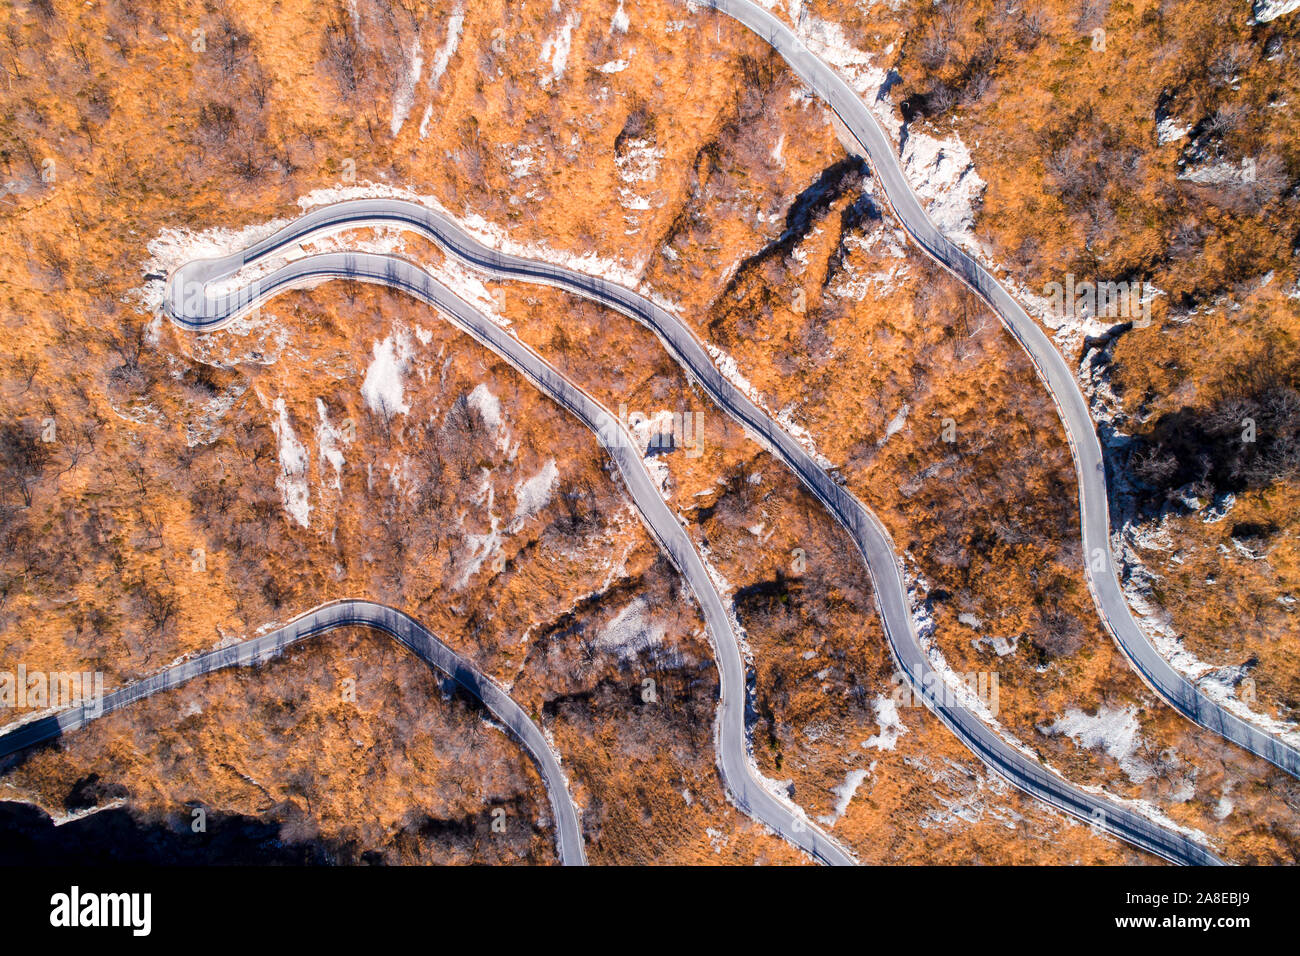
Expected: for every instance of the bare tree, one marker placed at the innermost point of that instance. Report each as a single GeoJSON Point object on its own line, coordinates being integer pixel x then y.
{"type": "Point", "coordinates": [341, 52]}
{"type": "Point", "coordinates": [159, 605]}
{"type": "Point", "coordinates": [23, 457]}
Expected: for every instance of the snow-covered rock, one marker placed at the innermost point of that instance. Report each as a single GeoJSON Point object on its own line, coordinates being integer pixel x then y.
{"type": "Point", "coordinates": [1266, 10]}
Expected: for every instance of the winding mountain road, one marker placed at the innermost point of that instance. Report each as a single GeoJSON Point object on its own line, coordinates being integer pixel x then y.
{"type": "Point", "coordinates": [192, 306]}
{"type": "Point", "coordinates": [328, 617]}
{"type": "Point", "coordinates": [1099, 564]}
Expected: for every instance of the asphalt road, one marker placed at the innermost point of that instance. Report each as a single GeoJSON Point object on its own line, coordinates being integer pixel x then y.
{"type": "Point", "coordinates": [403, 628]}
{"type": "Point", "coordinates": [1099, 564]}
{"type": "Point", "coordinates": [198, 312]}
{"type": "Point", "coordinates": [192, 308]}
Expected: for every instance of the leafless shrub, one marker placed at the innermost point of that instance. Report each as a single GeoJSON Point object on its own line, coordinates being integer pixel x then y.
{"type": "Point", "coordinates": [935, 50]}
{"type": "Point", "coordinates": [1073, 172]}
{"type": "Point", "coordinates": [579, 511]}
{"type": "Point", "coordinates": [1247, 437]}
{"type": "Point", "coordinates": [216, 120]}
{"type": "Point", "coordinates": [158, 603]}
{"type": "Point", "coordinates": [231, 45]}
{"type": "Point", "coordinates": [1186, 241]}
{"type": "Point", "coordinates": [1030, 29]}
{"type": "Point", "coordinates": [341, 52]}
{"type": "Point", "coordinates": [259, 84]}
{"type": "Point", "coordinates": [940, 100]}
{"type": "Point", "coordinates": [1226, 66]}
{"type": "Point", "coordinates": [1226, 120]}
{"type": "Point", "coordinates": [1269, 180]}
{"type": "Point", "coordinates": [1155, 467]}
{"type": "Point", "coordinates": [23, 457]}
{"type": "Point", "coordinates": [128, 342]}
{"type": "Point", "coordinates": [1090, 14]}
{"type": "Point", "coordinates": [1059, 634]}
{"type": "Point", "coordinates": [247, 156]}
{"type": "Point", "coordinates": [979, 83]}
{"type": "Point", "coordinates": [53, 262]}
{"type": "Point", "coordinates": [276, 592]}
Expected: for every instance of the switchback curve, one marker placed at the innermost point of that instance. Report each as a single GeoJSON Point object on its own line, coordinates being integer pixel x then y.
{"type": "Point", "coordinates": [1094, 515]}
{"type": "Point", "coordinates": [403, 628]}
{"type": "Point", "coordinates": [191, 305]}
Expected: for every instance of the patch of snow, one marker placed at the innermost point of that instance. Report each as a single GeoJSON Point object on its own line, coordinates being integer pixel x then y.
{"type": "Point", "coordinates": [404, 95]}
{"type": "Point", "coordinates": [726, 364]}
{"type": "Point", "coordinates": [292, 481]}
{"type": "Point", "coordinates": [943, 175]}
{"type": "Point", "coordinates": [844, 795]}
{"type": "Point", "coordinates": [206, 427]}
{"type": "Point", "coordinates": [638, 162]}
{"type": "Point", "coordinates": [940, 171]}
{"type": "Point", "coordinates": [1072, 329]}
{"type": "Point", "coordinates": [1218, 683]}
{"type": "Point", "coordinates": [172, 248]}
{"type": "Point", "coordinates": [1114, 730]}
{"type": "Point", "coordinates": [1219, 508]}
{"type": "Point", "coordinates": [954, 687]}
{"type": "Point", "coordinates": [1169, 130]}
{"type": "Point", "coordinates": [534, 494]}
{"type": "Point", "coordinates": [620, 22]}
{"type": "Point", "coordinates": [1152, 813]}
{"type": "Point", "coordinates": [631, 632]}
{"type": "Point", "coordinates": [487, 404]}
{"type": "Point", "coordinates": [891, 725]}
{"type": "Point", "coordinates": [718, 839]}
{"type": "Point", "coordinates": [1223, 807]}
{"type": "Point", "coordinates": [495, 236]}
{"type": "Point", "coordinates": [469, 286]}
{"type": "Point", "coordinates": [964, 797]}
{"type": "Point", "coordinates": [1002, 646]}
{"type": "Point", "coordinates": [880, 241]}
{"type": "Point", "coordinates": [895, 424]}
{"type": "Point", "coordinates": [383, 388]}
{"type": "Point", "coordinates": [329, 442]}
{"type": "Point", "coordinates": [481, 547]}
{"type": "Point", "coordinates": [522, 163]}
{"type": "Point", "coordinates": [556, 49]}
{"type": "Point", "coordinates": [72, 816]}
{"type": "Point", "coordinates": [1215, 174]}
{"type": "Point", "coordinates": [455, 23]}
{"type": "Point", "coordinates": [923, 620]}
{"type": "Point", "coordinates": [1268, 10]}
